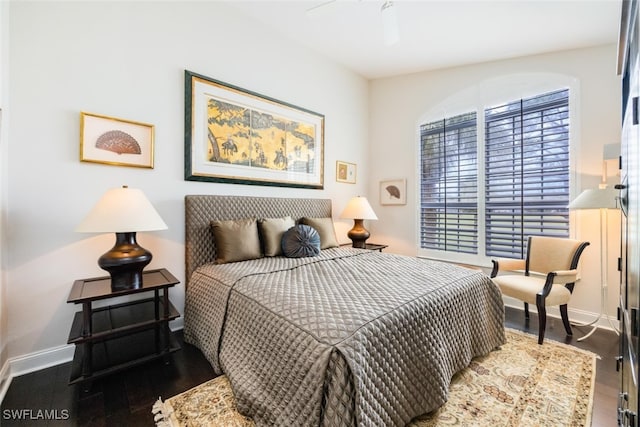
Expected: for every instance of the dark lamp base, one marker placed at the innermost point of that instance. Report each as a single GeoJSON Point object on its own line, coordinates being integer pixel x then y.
{"type": "Point", "coordinates": [125, 280]}
{"type": "Point", "coordinates": [125, 262]}
{"type": "Point", "coordinates": [358, 234]}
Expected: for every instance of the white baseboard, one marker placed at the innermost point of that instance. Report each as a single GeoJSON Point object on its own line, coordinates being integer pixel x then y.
{"type": "Point", "coordinates": [5, 380]}
{"type": "Point", "coordinates": [21, 365]}
{"type": "Point", "coordinates": [575, 316]}
{"type": "Point", "coordinates": [36, 361]}
{"type": "Point", "coordinates": [41, 360]}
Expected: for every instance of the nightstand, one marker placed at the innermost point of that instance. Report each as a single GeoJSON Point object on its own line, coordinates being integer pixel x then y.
{"type": "Point", "coordinates": [116, 337]}
{"type": "Point", "coordinates": [370, 246]}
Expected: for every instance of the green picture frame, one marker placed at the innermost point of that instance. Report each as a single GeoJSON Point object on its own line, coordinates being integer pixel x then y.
{"type": "Point", "coordinates": [236, 136]}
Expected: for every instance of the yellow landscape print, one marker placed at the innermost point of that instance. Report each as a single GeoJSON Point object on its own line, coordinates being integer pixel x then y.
{"type": "Point", "coordinates": [247, 137]}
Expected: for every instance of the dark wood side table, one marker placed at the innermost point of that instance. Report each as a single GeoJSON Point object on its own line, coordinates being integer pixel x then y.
{"type": "Point", "coordinates": [115, 337]}
{"type": "Point", "coordinates": [370, 246]}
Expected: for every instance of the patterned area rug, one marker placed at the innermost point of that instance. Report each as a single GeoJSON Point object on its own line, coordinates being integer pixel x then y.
{"type": "Point", "coordinates": [521, 384]}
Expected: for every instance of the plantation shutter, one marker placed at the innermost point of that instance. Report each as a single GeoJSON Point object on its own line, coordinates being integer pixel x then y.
{"type": "Point", "coordinates": [449, 184]}
{"type": "Point", "coordinates": [526, 172]}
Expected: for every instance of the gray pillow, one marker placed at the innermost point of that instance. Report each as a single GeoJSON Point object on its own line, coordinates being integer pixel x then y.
{"type": "Point", "coordinates": [325, 229]}
{"type": "Point", "coordinates": [236, 240]}
{"type": "Point", "coordinates": [301, 241]}
{"type": "Point", "coordinates": [271, 231]}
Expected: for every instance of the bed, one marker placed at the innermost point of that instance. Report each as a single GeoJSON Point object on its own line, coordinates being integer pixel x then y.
{"type": "Point", "coordinates": [348, 337]}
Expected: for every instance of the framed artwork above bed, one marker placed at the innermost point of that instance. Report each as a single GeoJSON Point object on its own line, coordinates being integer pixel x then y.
{"type": "Point", "coordinates": [237, 136]}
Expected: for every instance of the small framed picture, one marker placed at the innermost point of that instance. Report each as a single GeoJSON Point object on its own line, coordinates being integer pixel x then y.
{"type": "Point", "coordinates": [118, 142]}
{"type": "Point", "coordinates": [393, 192]}
{"type": "Point", "coordinates": [345, 172]}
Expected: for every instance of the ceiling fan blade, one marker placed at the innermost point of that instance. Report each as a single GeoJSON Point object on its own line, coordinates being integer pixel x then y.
{"type": "Point", "coordinates": [390, 30]}
{"type": "Point", "coordinates": [321, 7]}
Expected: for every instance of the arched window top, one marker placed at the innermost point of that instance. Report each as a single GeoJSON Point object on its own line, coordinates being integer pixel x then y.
{"type": "Point", "coordinates": [500, 90]}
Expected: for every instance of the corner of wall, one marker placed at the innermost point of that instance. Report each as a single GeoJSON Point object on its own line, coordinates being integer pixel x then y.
{"type": "Point", "coordinates": [4, 84]}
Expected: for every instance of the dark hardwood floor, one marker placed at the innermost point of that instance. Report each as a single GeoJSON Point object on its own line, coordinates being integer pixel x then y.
{"type": "Point", "coordinates": [125, 399]}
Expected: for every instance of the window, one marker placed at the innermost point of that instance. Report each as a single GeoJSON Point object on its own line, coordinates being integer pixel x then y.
{"type": "Point", "coordinates": [523, 159]}
{"type": "Point", "coordinates": [449, 193]}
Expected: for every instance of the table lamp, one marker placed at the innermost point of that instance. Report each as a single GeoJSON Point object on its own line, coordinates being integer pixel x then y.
{"type": "Point", "coordinates": [123, 211]}
{"type": "Point", "coordinates": [358, 209]}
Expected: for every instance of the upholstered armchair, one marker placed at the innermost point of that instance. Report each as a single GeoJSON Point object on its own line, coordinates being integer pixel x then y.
{"type": "Point", "coordinates": [545, 278]}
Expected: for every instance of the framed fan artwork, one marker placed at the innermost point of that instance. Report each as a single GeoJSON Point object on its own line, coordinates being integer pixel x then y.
{"type": "Point", "coordinates": [393, 192]}
{"type": "Point", "coordinates": [113, 141]}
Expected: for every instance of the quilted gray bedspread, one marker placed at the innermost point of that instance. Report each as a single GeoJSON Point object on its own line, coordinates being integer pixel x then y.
{"type": "Point", "coordinates": [351, 337]}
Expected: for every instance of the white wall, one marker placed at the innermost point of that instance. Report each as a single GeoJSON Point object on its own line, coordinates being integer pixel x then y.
{"type": "Point", "coordinates": [4, 52]}
{"type": "Point", "coordinates": [127, 60]}
{"type": "Point", "coordinates": [398, 104]}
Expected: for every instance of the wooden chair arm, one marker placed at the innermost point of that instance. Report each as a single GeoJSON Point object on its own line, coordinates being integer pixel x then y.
{"type": "Point", "coordinates": [507, 264]}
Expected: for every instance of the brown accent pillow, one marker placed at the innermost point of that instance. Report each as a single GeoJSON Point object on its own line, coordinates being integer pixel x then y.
{"type": "Point", "coordinates": [325, 229]}
{"type": "Point", "coordinates": [271, 231]}
{"type": "Point", "coordinates": [236, 240]}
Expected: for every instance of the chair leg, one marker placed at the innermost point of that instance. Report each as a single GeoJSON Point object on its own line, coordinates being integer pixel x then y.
{"type": "Point", "coordinates": [526, 310]}
{"type": "Point", "coordinates": [565, 319]}
{"type": "Point", "coordinates": [542, 318]}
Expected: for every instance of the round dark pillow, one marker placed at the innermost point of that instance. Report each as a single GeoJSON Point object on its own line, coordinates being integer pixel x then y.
{"type": "Point", "coordinates": [300, 241]}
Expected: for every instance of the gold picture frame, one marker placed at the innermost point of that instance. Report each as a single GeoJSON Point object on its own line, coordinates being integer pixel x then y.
{"type": "Point", "coordinates": [113, 141]}
{"type": "Point", "coordinates": [345, 172]}
{"type": "Point", "coordinates": [236, 136]}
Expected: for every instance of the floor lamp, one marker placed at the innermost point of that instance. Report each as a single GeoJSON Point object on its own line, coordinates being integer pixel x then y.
{"type": "Point", "coordinates": [603, 199]}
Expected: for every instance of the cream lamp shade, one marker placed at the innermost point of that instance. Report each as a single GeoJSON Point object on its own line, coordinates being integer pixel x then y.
{"type": "Point", "coordinates": [123, 211]}
{"type": "Point", "coordinates": [596, 198]}
{"type": "Point", "coordinates": [358, 209]}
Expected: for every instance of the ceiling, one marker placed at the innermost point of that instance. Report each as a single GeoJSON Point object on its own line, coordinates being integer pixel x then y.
{"type": "Point", "coordinates": [437, 34]}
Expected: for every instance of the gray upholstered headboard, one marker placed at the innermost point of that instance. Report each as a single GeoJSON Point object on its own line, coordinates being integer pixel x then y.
{"type": "Point", "coordinates": [200, 210]}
